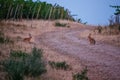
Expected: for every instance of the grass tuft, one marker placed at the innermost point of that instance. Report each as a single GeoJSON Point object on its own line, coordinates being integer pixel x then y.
{"type": "Point", "coordinates": [81, 76]}
{"type": "Point", "coordinates": [59, 65]}
{"type": "Point", "coordinates": [4, 39]}
{"type": "Point", "coordinates": [58, 24]}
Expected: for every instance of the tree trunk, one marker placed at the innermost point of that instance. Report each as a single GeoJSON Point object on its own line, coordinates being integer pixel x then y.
{"type": "Point", "coordinates": [15, 11]}
{"type": "Point", "coordinates": [34, 12]}
{"type": "Point", "coordinates": [9, 11]}
{"type": "Point", "coordinates": [117, 21]}
{"type": "Point", "coordinates": [47, 14]}
{"type": "Point", "coordinates": [62, 11]}
{"type": "Point", "coordinates": [38, 12]}
{"type": "Point", "coordinates": [29, 13]}
{"type": "Point", "coordinates": [53, 14]}
{"type": "Point", "coordinates": [58, 15]}
{"type": "Point", "coordinates": [50, 12]}
{"type": "Point", "coordinates": [21, 12]}
{"type": "Point", "coordinates": [18, 12]}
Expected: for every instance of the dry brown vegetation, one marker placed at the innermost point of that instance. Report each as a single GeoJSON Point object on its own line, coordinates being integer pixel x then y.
{"type": "Point", "coordinates": [104, 34]}
{"type": "Point", "coordinates": [108, 34]}
{"type": "Point", "coordinates": [17, 31]}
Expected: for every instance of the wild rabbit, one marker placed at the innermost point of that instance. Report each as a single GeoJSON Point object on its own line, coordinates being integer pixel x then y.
{"type": "Point", "coordinates": [27, 39]}
{"type": "Point", "coordinates": [91, 40]}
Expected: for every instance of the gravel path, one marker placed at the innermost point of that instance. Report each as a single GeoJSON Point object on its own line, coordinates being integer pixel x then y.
{"type": "Point", "coordinates": [102, 60]}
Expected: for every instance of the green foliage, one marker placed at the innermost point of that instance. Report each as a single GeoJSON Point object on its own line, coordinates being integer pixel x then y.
{"type": "Point", "coordinates": [80, 21]}
{"type": "Point", "coordinates": [29, 9]}
{"type": "Point", "coordinates": [59, 65]}
{"type": "Point", "coordinates": [18, 54]}
{"type": "Point", "coordinates": [34, 64]}
{"type": "Point", "coordinates": [1, 39]}
{"type": "Point", "coordinates": [4, 39]}
{"type": "Point", "coordinates": [21, 64]}
{"type": "Point", "coordinates": [117, 9]}
{"type": "Point", "coordinates": [14, 69]}
{"type": "Point", "coordinates": [58, 24]}
{"type": "Point", "coordinates": [81, 76]}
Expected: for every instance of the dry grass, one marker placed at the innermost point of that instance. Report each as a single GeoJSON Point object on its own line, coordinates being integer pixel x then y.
{"type": "Point", "coordinates": [107, 35]}
{"type": "Point", "coordinates": [17, 31]}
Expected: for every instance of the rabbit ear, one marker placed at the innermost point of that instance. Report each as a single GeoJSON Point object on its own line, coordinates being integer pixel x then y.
{"type": "Point", "coordinates": [29, 34]}
{"type": "Point", "coordinates": [89, 33]}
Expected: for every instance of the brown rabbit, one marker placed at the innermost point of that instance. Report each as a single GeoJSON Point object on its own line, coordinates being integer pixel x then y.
{"type": "Point", "coordinates": [91, 40]}
{"type": "Point", "coordinates": [27, 39]}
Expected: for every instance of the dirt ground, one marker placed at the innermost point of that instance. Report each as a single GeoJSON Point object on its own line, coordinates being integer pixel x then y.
{"type": "Point", "coordinates": [66, 44]}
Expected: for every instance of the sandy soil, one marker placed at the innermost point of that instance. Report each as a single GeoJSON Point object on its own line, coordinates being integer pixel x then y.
{"type": "Point", "coordinates": [67, 44]}
{"type": "Point", "coordinates": [103, 60]}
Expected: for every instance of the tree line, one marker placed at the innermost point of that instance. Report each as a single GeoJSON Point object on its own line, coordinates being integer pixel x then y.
{"type": "Point", "coordinates": [29, 9]}
{"type": "Point", "coordinates": [116, 15]}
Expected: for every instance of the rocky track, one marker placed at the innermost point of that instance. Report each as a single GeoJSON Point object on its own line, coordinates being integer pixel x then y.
{"type": "Point", "coordinates": [102, 60]}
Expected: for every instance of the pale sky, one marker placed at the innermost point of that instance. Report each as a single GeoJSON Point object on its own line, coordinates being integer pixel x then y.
{"type": "Point", "coordinates": [96, 12]}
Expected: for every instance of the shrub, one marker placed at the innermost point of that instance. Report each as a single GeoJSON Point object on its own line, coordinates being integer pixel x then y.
{"type": "Point", "coordinates": [20, 64]}
{"type": "Point", "coordinates": [59, 65]}
{"type": "Point", "coordinates": [1, 37]}
{"type": "Point", "coordinates": [14, 69]}
{"type": "Point", "coordinates": [18, 54]}
{"type": "Point", "coordinates": [58, 24]}
{"type": "Point", "coordinates": [34, 64]}
{"type": "Point", "coordinates": [81, 76]}
{"type": "Point", "coordinates": [4, 39]}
